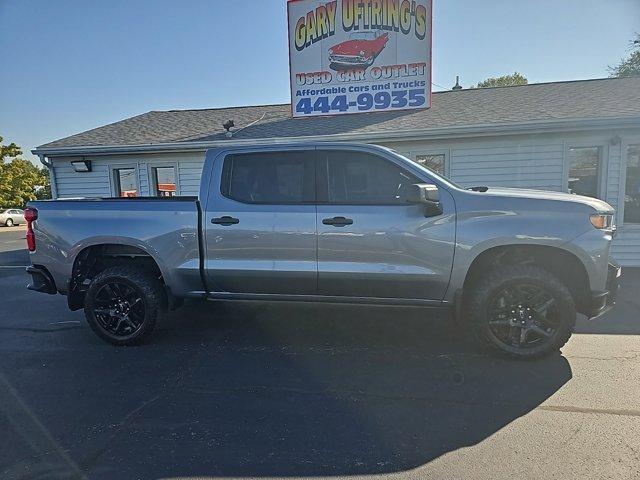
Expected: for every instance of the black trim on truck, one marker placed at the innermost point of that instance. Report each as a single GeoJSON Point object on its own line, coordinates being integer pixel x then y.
{"type": "Point", "coordinates": [602, 302]}
{"type": "Point", "coordinates": [41, 280]}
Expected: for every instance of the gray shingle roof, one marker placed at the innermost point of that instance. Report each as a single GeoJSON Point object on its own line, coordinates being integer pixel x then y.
{"type": "Point", "coordinates": [536, 102]}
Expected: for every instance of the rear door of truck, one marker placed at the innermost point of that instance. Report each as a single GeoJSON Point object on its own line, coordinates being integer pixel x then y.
{"type": "Point", "coordinates": [259, 223]}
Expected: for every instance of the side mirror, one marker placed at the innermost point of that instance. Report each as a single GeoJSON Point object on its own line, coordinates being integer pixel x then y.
{"type": "Point", "coordinates": [427, 195]}
{"type": "Point", "coordinates": [423, 193]}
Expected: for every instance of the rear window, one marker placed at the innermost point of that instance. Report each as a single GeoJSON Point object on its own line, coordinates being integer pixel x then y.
{"type": "Point", "coordinates": [272, 178]}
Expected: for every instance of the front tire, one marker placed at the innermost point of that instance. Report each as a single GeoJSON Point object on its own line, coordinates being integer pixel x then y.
{"type": "Point", "coordinates": [122, 304]}
{"type": "Point", "coordinates": [9, 222]}
{"type": "Point", "coordinates": [521, 311]}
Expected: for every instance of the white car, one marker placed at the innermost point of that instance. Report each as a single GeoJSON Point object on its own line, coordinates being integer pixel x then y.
{"type": "Point", "coordinates": [12, 216]}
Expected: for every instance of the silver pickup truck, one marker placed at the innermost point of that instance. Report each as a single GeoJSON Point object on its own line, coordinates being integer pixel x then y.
{"type": "Point", "coordinates": [333, 223]}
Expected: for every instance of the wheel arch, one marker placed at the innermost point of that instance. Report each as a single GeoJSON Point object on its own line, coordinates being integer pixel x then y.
{"type": "Point", "coordinates": [560, 262]}
{"type": "Point", "coordinates": [95, 255]}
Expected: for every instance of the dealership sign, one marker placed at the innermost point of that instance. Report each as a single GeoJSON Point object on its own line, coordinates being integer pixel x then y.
{"type": "Point", "coordinates": [350, 56]}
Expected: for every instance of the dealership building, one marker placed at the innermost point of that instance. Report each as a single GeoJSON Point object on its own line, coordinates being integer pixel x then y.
{"type": "Point", "coordinates": [579, 136]}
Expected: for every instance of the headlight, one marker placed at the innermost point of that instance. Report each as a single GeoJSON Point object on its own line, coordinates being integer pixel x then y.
{"type": "Point", "coordinates": [601, 221]}
{"type": "Point", "coordinates": [362, 53]}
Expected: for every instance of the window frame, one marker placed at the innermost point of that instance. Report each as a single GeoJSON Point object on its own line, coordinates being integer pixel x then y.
{"type": "Point", "coordinates": [152, 179]}
{"type": "Point", "coordinates": [322, 179]}
{"type": "Point", "coordinates": [626, 142]}
{"type": "Point", "coordinates": [223, 174]}
{"type": "Point", "coordinates": [114, 180]}
{"type": "Point", "coordinates": [601, 190]}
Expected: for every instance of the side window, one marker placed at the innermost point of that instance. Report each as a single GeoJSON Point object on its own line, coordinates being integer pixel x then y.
{"type": "Point", "coordinates": [126, 182]}
{"type": "Point", "coordinates": [163, 181]}
{"type": "Point", "coordinates": [271, 178]}
{"type": "Point", "coordinates": [364, 179]}
{"type": "Point", "coordinates": [584, 170]}
{"type": "Point", "coordinates": [632, 186]}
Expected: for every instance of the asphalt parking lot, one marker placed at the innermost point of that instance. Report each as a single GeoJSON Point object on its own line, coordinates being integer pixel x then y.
{"type": "Point", "coordinates": [284, 390]}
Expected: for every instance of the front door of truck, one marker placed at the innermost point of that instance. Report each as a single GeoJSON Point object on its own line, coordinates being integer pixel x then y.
{"type": "Point", "coordinates": [371, 242]}
{"type": "Point", "coordinates": [260, 223]}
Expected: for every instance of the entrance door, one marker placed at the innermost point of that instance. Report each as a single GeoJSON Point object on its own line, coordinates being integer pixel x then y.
{"type": "Point", "coordinates": [260, 226]}
{"type": "Point", "coordinates": [371, 242]}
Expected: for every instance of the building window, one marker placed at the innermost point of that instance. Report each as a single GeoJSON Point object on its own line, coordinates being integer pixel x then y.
{"type": "Point", "coordinates": [584, 170]}
{"type": "Point", "coordinates": [432, 162]}
{"type": "Point", "coordinates": [632, 186]}
{"type": "Point", "coordinates": [164, 181]}
{"type": "Point", "coordinates": [126, 182]}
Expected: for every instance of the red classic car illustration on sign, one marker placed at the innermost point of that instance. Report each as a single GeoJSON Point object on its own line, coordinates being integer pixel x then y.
{"type": "Point", "coordinates": [360, 51]}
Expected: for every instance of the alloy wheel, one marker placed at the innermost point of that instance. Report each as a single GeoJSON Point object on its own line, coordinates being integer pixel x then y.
{"type": "Point", "coordinates": [523, 315]}
{"type": "Point", "coordinates": [119, 309]}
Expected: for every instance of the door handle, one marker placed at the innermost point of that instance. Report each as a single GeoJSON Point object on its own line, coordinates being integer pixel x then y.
{"type": "Point", "coordinates": [337, 221]}
{"type": "Point", "coordinates": [226, 220]}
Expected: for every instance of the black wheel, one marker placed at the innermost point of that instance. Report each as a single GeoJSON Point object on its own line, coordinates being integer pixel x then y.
{"type": "Point", "coordinates": [9, 222]}
{"type": "Point", "coordinates": [122, 304]}
{"type": "Point", "coordinates": [521, 311]}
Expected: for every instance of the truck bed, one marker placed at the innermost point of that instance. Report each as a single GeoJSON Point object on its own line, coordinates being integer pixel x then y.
{"type": "Point", "coordinates": [167, 229]}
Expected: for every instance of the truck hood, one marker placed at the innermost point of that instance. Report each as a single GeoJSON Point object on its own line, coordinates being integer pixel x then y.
{"type": "Point", "coordinates": [596, 204]}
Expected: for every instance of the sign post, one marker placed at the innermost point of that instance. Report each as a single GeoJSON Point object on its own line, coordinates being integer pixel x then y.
{"type": "Point", "coordinates": [355, 56]}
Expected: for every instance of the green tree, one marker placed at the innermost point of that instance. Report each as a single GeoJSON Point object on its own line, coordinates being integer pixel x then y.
{"type": "Point", "coordinates": [20, 180]}
{"type": "Point", "coordinates": [630, 66]}
{"type": "Point", "coordinates": [43, 192]}
{"type": "Point", "coordinates": [504, 81]}
{"type": "Point", "coordinates": [9, 151]}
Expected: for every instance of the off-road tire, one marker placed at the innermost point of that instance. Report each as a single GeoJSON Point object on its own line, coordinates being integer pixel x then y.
{"type": "Point", "coordinates": [476, 306]}
{"type": "Point", "coordinates": [146, 285]}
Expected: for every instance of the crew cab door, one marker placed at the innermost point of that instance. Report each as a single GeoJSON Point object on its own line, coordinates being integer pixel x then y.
{"type": "Point", "coordinates": [260, 223]}
{"type": "Point", "coordinates": [371, 242]}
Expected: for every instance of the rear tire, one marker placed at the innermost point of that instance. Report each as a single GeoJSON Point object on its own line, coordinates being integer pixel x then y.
{"type": "Point", "coordinates": [9, 222]}
{"type": "Point", "coordinates": [521, 298]}
{"type": "Point", "coordinates": [122, 304]}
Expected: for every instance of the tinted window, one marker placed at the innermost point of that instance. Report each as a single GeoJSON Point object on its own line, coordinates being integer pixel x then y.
{"type": "Point", "coordinates": [362, 178]}
{"type": "Point", "coordinates": [282, 177]}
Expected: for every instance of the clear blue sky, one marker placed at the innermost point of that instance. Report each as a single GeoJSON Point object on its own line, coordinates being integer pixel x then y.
{"type": "Point", "coordinates": [72, 65]}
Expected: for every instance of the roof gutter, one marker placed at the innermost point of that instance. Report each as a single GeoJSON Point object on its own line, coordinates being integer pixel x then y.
{"type": "Point", "coordinates": [52, 175]}
{"type": "Point", "coordinates": [539, 126]}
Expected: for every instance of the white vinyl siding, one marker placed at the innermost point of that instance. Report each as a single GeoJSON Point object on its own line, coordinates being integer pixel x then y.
{"type": "Point", "coordinates": [533, 165]}
{"type": "Point", "coordinates": [70, 183]}
{"type": "Point", "coordinates": [189, 174]}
